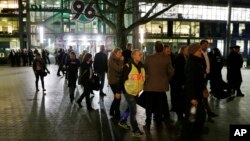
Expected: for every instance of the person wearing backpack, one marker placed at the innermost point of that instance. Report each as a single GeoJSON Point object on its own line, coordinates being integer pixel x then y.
{"type": "Point", "coordinates": [133, 78]}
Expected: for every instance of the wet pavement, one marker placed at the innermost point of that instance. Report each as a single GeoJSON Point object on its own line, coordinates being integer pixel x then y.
{"type": "Point", "coordinates": [26, 115]}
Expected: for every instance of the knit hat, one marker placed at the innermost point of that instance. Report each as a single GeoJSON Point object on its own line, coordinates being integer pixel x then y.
{"type": "Point", "coordinates": [236, 46]}
{"type": "Point", "coordinates": [193, 48]}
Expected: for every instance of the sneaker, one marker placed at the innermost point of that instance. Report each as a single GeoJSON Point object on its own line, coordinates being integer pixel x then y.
{"type": "Point", "coordinates": [137, 133]}
{"type": "Point", "coordinates": [240, 95]}
{"type": "Point", "coordinates": [212, 114]}
{"type": "Point", "coordinates": [124, 125]}
{"type": "Point", "coordinates": [102, 94]}
{"type": "Point", "coordinates": [79, 104]}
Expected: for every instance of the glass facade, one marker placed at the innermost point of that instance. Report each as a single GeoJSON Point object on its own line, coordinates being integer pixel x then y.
{"type": "Point", "coordinates": [198, 12]}
{"type": "Point", "coordinates": [63, 27]}
{"type": "Point", "coordinates": [9, 28]}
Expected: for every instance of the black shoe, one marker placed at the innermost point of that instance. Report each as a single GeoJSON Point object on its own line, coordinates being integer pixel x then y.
{"type": "Point", "coordinates": [79, 104]}
{"type": "Point", "coordinates": [212, 114]}
{"type": "Point", "coordinates": [111, 113]}
{"type": "Point", "coordinates": [146, 127]}
{"type": "Point", "coordinates": [240, 95]}
{"type": "Point", "coordinates": [102, 94]}
{"type": "Point", "coordinates": [44, 89]}
{"type": "Point", "coordinates": [90, 109]}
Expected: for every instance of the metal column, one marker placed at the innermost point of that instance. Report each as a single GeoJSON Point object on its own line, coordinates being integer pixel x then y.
{"type": "Point", "coordinates": [228, 38]}
{"type": "Point", "coordinates": [28, 24]}
{"type": "Point", "coordinates": [20, 19]}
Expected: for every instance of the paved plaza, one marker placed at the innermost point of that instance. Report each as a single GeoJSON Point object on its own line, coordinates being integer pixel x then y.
{"type": "Point", "coordinates": [27, 115]}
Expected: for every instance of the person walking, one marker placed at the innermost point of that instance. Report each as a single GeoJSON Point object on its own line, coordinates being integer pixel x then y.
{"type": "Point", "coordinates": [234, 65]}
{"type": "Point", "coordinates": [195, 85]}
{"type": "Point", "coordinates": [40, 70]}
{"type": "Point", "coordinates": [85, 76]}
{"type": "Point", "coordinates": [31, 56]}
{"type": "Point", "coordinates": [72, 68]}
{"type": "Point", "coordinates": [133, 78]}
{"type": "Point", "coordinates": [206, 63]}
{"type": "Point", "coordinates": [127, 53]}
{"type": "Point", "coordinates": [159, 71]}
{"type": "Point", "coordinates": [115, 66]}
{"type": "Point", "coordinates": [12, 57]}
{"type": "Point", "coordinates": [101, 67]}
{"type": "Point", "coordinates": [178, 82]}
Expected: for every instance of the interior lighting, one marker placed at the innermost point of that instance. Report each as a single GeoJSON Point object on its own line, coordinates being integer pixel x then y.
{"type": "Point", "coordinates": [57, 2]}
{"type": "Point", "coordinates": [99, 38]}
{"type": "Point", "coordinates": [41, 34]}
{"type": "Point", "coordinates": [141, 32]}
{"type": "Point", "coordinates": [70, 38]}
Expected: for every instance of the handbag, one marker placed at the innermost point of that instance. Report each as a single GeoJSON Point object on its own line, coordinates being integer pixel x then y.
{"type": "Point", "coordinates": [80, 78]}
{"type": "Point", "coordinates": [44, 73]}
{"type": "Point", "coordinates": [141, 99]}
{"type": "Point", "coordinates": [95, 82]}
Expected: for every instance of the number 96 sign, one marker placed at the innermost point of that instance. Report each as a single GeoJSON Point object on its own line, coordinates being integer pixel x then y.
{"type": "Point", "coordinates": [83, 10]}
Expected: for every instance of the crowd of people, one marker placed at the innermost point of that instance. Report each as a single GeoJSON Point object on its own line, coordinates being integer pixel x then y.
{"type": "Point", "coordinates": [186, 75]}
{"type": "Point", "coordinates": [24, 57]}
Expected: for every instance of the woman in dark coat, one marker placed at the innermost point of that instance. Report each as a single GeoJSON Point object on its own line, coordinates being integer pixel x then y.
{"type": "Point", "coordinates": [85, 76]}
{"type": "Point", "coordinates": [72, 66]}
{"type": "Point", "coordinates": [115, 67]}
{"type": "Point", "coordinates": [178, 81]}
{"type": "Point", "coordinates": [40, 69]}
{"type": "Point", "coordinates": [234, 65]}
{"type": "Point", "coordinates": [194, 88]}
{"type": "Point", "coordinates": [218, 86]}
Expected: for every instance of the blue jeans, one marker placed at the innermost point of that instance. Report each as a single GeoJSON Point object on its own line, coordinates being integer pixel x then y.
{"type": "Point", "coordinates": [132, 111]}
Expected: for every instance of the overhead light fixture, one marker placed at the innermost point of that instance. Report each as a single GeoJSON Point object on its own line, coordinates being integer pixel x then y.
{"type": "Point", "coordinates": [57, 2]}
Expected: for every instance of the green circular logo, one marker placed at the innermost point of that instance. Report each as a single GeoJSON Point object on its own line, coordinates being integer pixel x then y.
{"type": "Point", "coordinates": [83, 11]}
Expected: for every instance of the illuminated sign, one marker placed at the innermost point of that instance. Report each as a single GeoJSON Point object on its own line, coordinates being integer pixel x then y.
{"type": "Point", "coordinates": [83, 10]}
{"type": "Point", "coordinates": [39, 7]}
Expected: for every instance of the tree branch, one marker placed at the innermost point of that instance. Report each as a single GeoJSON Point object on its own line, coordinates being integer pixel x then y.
{"type": "Point", "coordinates": [150, 11]}
{"type": "Point", "coordinates": [103, 18]}
{"type": "Point", "coordinates": [144, 20]}
{"type": "Point", "coordinates": [110, 3]}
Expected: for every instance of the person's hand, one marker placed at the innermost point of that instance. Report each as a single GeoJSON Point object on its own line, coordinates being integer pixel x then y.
{"type": "Point", "coordinates": [205, 93]}
{"type": "Point", "coordinates": [194, 102]}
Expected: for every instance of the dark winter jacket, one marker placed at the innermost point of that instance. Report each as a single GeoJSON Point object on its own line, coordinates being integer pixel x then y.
{"type": "Point", "coordinates": [101, 63]}
{"type": "Point", "coordinates": [127, 55]}
{"type": "Point", "coordinates": [87, 72]}
{"type": "Point", "coordinates": [41, 63]}
{"type": "Point", "coordinates": [234, 65]}
{"type": "Point", "coordinates": [194, 79]}
{"type": "Point", "coordinates": [179, 73]}
{"type": "Point", "coordinates": [115, 66]}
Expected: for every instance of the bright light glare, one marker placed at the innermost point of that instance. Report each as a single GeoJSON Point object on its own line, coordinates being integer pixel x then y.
{"type": "Point", "coordinates": [141, 31]}
{"type": "Point", "coordinates": [41, 35]}
{"type": "Point", "coordinates": [99, 38]}
{"type": "Point", "coordinates": [70, 38]}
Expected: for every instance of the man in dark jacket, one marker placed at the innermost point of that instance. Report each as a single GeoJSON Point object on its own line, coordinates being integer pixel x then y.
{"type": "Point", "coordinates": [101, 67]}
{"type": "Point", "coordinates": [127, 53]}
{"type": "Point", "coordinates": [234, 65]}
